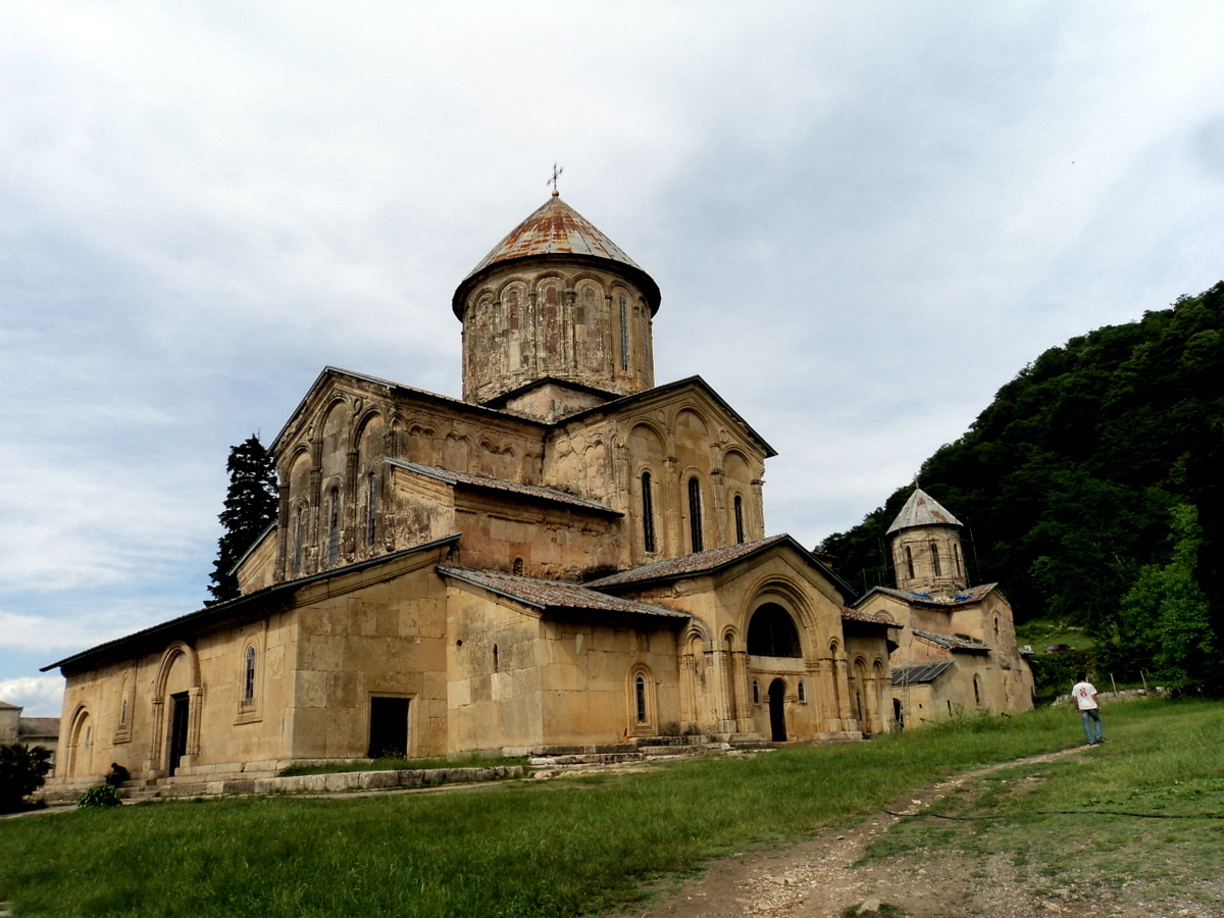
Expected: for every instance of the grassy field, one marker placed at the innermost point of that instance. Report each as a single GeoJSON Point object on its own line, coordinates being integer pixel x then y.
{"type": "Point", "coordinates": [565, 847]}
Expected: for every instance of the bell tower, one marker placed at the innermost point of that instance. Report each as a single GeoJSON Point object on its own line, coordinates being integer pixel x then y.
{"type": "Point", "coordinates": [556, 308]}
{"type": "Point", "coordinates": [926, 547]}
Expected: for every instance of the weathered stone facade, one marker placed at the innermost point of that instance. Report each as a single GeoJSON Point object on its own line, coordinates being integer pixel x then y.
{"type": "Point", "coordinates": [568, 557]}
{"type": "Point", "coordinates": [957, 652]}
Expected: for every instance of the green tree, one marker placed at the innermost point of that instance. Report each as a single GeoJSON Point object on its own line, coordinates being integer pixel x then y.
{"type": "Point", "coordinates": [250, 507]}
{"type": "Point", "coordinates": [1067, 479]}
{"type": "Point", "coordinates": [22, 771]}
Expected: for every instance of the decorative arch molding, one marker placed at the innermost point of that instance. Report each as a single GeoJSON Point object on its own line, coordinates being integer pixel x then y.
{"type": "Point", "coordinates": [783, 592]}
{"type": "Point", "coordinates": [363, 421]}
{"type": "Point", "coordinates": [159, 762]}
{"type": "Point", "coordinates": [696, 629]}
{"type": "Point", "coordinates": [81, 732]}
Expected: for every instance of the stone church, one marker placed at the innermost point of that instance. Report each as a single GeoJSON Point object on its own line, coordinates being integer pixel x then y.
{"type": "Point", "coordinates": [570, 557]}
{"type": "Point", "coordinates": [957, 652]}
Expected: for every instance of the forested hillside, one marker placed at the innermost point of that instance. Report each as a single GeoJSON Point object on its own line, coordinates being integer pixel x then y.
{"type": "Point", "coordinates": [1091, 489]}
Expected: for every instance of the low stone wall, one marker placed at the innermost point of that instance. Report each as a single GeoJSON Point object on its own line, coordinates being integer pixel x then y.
{"type": "Point", "coordinates": [1113, 697]}
{"type": "Point", "coordinates": [366, 780]}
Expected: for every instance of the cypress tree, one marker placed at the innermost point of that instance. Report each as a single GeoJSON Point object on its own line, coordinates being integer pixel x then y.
{"type": "Point", "coordinates": [250, 506]}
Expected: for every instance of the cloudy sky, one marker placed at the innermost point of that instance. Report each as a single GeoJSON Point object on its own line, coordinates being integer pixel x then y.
{"type": "Point", "coordinates": [864, 218]}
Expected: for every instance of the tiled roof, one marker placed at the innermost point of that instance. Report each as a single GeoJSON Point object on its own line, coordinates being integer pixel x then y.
{"type": "Point", "coordinates": [5, 706]}
{"type": "Point", "coordinates": [38, 726]}
{"type": "Point", "coordinates": [855, 615]}
{"type": "Point", "coordinates": [554, 229]}
{"type": "Point", "coordinates": [554, 594]}
{"type": "Point", "coordinates": [972, 594]}
{"type": "Point", "coordinates": [702, 562]}
{"type": "Point", "coordinates": [952, 642]}
{"type": "Point", "coordinates": [221, 610]}
{"type": "Point", "coordinates": [923, 672]}
{"type": "Point", "coordinates": [500, 484]}
{"type": "Point", "coordinates": [922, 510]}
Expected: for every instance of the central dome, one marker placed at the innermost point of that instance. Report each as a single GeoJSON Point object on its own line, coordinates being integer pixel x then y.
{"type": "Point", "coordinates": [557, 317]}
{"type": "Point", "coordinates": [556, 229]}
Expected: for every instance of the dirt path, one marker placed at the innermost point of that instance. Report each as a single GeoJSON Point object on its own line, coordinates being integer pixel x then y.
{"type": "Point", "coordinates": [816, 878]}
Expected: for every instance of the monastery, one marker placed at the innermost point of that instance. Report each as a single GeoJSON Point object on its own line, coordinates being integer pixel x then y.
{"type": "Point", "coordinates": [570, 558]}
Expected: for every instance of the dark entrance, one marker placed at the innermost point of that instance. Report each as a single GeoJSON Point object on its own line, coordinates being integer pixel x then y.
{"type": "Point", "coordinates": [777, 713]}
{"type": "Point", "coordinates": [388, 728]}
{"type": "Point", "coordinates": [180, 709]}
{"type": "Point", "coordinates": [898, 715]}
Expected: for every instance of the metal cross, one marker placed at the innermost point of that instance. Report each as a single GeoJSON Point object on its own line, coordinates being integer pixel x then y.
{"type": "Point", "coordinates": [553, 181]}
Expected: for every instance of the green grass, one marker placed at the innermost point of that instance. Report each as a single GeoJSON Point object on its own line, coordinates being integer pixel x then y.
{"type": "Point", "coordinates": [529, 849]}
{"type": "Point", "coordinates": [393, 764]}
{"type": "Point", "coordinates": [1160, 758]}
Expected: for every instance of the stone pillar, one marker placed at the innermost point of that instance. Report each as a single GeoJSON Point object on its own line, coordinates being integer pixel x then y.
{"type": "Point", "coordinates": [155, 764]}
{"type": "Point", "coordinates": [720, 533]}
{"type": "Point", "coordinates": [669, 513]}
{"type": "Point", "coordinates": [758, 507]}
{"type": "Point", "coordinates": [743, 708]}
{"type": "Point", "coordinates": [842, 677]}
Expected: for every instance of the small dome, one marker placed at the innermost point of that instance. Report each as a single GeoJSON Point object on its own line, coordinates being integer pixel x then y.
{"type": "Point", "coordinates": [557, 230]}
{"type": "Point", "coordinates": [922, 510]}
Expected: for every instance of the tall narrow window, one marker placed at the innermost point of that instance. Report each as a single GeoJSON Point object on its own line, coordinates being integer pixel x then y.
{"type": "Point", "coordinates": [756, 692]}
{"type": "Point", "coordinates": [333, 526]}
{"type": "Point", "coordinates": [496, 660]}
{"type": "Point", "coordinates": [739, 520]}
{"type": "Point", "coordinates": [909, 560]}
{"type": "Point", "coordinates": [802, 692]}
{"type": "Point", "coordinates": [648, 527]}
{"type": "Point", "coordinates": [371, 521]}
{"type": "Point", "coordinates": [299, 539]}
{"type": "Point", "coordinates": [516, 567]}
{"type": "Point", "coordinates": [248, 679]}
{"type": "Point", "coordinates": [624, 333]}
{"type": "Point", "coordinates": [960, 566]}
{"type": "Point", "coordinates": [696, 536]}
{"type": "Point", "coordinates": [123, 711]}
{"type": "Point", "coordinates": [935, 559]}
{"type": "Point", "coordinates": [639, 691]}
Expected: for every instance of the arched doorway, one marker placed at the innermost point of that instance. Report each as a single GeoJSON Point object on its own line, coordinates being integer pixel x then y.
{"type": "Point", "coordinates": [777, 711]}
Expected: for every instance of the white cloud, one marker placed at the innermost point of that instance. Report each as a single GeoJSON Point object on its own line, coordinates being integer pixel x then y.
{"type": "Point", "coordinates": [40, 696]}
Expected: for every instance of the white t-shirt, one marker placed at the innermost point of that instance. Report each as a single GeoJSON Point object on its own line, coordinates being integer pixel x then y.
{"type": "Point", "coordinates": [1082, 693]}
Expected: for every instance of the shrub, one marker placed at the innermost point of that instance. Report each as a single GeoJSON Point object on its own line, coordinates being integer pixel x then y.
{"type": "Point", "coordinates": [22, 771]}
{"type": "Point", "coordinates": [99, 795]}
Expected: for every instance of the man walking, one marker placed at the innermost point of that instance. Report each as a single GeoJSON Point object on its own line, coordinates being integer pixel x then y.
{"type": "Point", "coordinates": [1085, 696]}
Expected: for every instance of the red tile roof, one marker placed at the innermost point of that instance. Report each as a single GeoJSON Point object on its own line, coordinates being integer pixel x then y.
{"type": "Point", "coordinates": [554, 594]}
{"type": "Point", "coordinates": [500, 484]}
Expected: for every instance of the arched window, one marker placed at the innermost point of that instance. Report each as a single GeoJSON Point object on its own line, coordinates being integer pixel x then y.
{"type": "Point", "coordinates": [648, 527]}
{"type": "Point", "coordinates": [772, 633]}
{"type": "Point", "coordinates": [696, 537]}
{"type": "Point", "coordinates": [639, 696]}
{"type": "Point", "coordinates": [123, 712]}
{"type": "Point", "coordinates": [299, 539]}
{"type": "Point", "coordinates": [756, 692]}
{"type": "Point", "coordinates": [802, 692]}
{"type": "Point", "coordinates": [909, 560]}
{"type": "Point", "coordinates": [739, 520]}
{"type": "Point", "coordinates": [248, 675]}
{"type": "Point", "coordinates": [517, 567]}
{"type": "Point", "coordinates": [333, 525]}
{"type": "Point", "coordinates": [624, 333]}
{"type": "Point", "coordinates": [935, 559]}
{"type": "Point", "coordinates": [996, 628]}
{"type": "Point", "coordinates": [371, 520]}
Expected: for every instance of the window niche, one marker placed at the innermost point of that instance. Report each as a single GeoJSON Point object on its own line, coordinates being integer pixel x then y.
{"type": "Point", "coordinates": [250, 678]}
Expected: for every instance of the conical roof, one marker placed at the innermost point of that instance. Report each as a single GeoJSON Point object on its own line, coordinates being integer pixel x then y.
{"type": "Point", "coordinates": [557, 229]}
{"type": "Point", "coordinates": [922, 510]}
